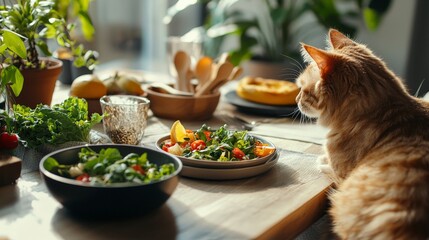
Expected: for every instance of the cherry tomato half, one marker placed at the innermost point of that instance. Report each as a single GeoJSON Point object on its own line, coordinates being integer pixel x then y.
{"type": "Point", "coordinates": [237, 153]}
{"type": "Point", "coordinates": [138, 169]}
{"type": "Point", "coordinates": [84, 177]}
{"type": "Point", "coordinates": [198, 145]}
{"type": "Point", "coordinates": [208, 133]}
{"type": "Point", "coordinates": [166, 146]}
{"type": "Point", "coordinates": [8, 141]}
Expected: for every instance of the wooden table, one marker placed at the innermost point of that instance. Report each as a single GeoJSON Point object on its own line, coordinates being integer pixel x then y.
{"type": "Point", "coordinates": [278, 204]}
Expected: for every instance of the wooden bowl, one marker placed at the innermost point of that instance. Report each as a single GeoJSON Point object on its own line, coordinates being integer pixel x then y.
{"type": "Point", "coordinates": [93, 106]}
{"type": "Point", "coordinates": [178, 107]}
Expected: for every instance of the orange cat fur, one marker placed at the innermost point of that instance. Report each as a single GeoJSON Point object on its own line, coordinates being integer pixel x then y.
{"type": "Point", "coordinates": [377, 148]}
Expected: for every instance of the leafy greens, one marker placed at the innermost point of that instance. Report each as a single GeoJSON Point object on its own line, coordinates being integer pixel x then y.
{"type": "Point", "coordinates": [221, 143]}
{"type": "Point", "coordinates": [108, 166]}
{"type": "Point", "coordinates": [67, 121]}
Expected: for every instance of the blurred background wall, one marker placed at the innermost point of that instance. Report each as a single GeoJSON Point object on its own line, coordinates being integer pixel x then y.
{"type": "Point", "coordinates": [132, 34]}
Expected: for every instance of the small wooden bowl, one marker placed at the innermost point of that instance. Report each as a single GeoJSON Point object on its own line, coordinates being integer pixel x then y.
{"type": "Point", "coordinates": [178, 107]}
{"type": "Point", "coordinates": [93, 106]}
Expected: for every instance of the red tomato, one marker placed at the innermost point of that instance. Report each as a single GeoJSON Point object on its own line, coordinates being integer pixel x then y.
{"type": "Point", "coordinates": [8, 141]}
{"type": "Point", "coordinates": [138, 169]}
{"type": "Point", "coordinates": [237, 153]}
{"type": "Point", "coordinates": [83, 177]}
{"type": "Point", "coordinates": [184, 144]}
{"type": "Point", "coordinates": [198, 145]}
{"type": "Point", "coordinates": [207, 133]}
{"type": "Point", "coordinates": [166, 146]}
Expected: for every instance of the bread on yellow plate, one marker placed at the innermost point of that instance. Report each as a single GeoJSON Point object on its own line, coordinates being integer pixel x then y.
{"type": "Point", "coordinates": [267, 91]}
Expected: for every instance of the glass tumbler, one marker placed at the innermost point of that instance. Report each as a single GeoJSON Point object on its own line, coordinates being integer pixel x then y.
{"type": "Point", "coordinates": [125, 118]}
{"type": "Point", "coordinates": [174, 44]}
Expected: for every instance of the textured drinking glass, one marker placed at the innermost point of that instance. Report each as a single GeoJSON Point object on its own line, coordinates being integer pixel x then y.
{"type": "Point", "coordinates": [192, 48]}
{"type": "Point", "coordinates": [125, 118]}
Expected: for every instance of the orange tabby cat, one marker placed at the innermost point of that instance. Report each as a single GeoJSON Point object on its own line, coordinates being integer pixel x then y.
{"type": "Point", "coordinates": [377, 148]}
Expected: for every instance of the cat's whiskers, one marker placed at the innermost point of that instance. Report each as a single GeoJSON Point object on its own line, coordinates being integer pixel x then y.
{"type": "Point", "coordinates": [303, 119]}
{"type": "Point", "coordinates": [294, 70]}
{"type": "Point", "coordinates": [295, 62]}
{"type": "Point", "coordinates": [291, 78]}
{"type": "Point", "coordinates": [294, 114]}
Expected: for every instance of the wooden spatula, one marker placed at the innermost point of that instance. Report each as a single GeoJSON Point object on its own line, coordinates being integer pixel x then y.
{"type": "Point", "coordinates": [222, 74]}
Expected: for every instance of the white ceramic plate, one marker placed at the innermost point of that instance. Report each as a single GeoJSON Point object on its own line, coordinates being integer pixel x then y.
{"type": "Point", "coordinates": [201, 163]}
{"type": "Point", "coordinates": [228, 174]}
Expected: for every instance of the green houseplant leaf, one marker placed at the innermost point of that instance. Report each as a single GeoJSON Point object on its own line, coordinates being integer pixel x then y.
{"type": "Point", "coordinates": [14, 43]}
{"type": "Point", "coordinates": [374, 12]}
{"type": "Point", "coordinates": [87, 26]}
{"type": "Point", "coordinates": [38, 21]}
{"type": "Point", "coordinates": [11, 75]}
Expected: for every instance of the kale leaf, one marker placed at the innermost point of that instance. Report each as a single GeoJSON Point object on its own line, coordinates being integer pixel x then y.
{"type": "Point", "coordinates": [67, 121]}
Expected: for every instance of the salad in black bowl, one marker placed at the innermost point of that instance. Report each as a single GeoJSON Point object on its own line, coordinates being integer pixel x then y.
{"type": "Point", "coordinates": [110, 179]}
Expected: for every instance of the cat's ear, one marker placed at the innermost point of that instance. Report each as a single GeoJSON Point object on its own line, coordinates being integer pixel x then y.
{"type": "Point", "coordinates": [339, 40]}
{"type": "Point", "coordinates": [323, 59]}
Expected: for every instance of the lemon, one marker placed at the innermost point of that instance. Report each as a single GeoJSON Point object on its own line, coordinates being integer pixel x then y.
{"type": "Point", "coordinates": [178, 132]}
{"type": "Point", "coordinates": [88, 86]}
{"type": "Point", "coordinates": [130, 85]}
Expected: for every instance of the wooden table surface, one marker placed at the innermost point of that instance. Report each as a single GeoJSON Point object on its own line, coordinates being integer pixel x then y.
{"type": "Point", "coordinates": [278, 204]}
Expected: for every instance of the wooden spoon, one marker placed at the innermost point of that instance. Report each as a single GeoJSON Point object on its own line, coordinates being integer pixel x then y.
{"type": "Point", "coordinates": [222, 74]}
{"type": "Point", "coordinates": [165, 88]}
{"type": "Point", "coordinates": [224, 57]}
{"type": "Point", "coordinates": [203, 70]}
{"type": "Point", "coordinates": [190, 75]}
{"type": "Point", "coordinates": [182, 62]}
{"type": "Point", "coordinates": [236, 72]}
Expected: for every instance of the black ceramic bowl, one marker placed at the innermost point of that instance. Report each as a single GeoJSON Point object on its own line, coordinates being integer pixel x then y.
{"type": "Point", "coordinates": [118, 199]}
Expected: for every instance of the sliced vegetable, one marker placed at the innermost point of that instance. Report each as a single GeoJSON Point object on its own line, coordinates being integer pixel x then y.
{"type": "Point", "coordinates": [83, 177]}
{"type": "Point", "coordinates": [198, 145]}
{"type": "Point", "coordinates": [262, 151]}
{"type": "Point", "coordinates": [237, 153]}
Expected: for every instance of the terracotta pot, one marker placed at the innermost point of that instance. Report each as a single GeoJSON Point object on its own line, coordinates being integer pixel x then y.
{"type": "Point", "coordinates": [39, 85]}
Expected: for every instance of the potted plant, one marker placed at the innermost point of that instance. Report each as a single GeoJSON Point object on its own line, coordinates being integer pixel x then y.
{"type": "Point", "coordinates": [268, 31]}
{"type": "Point", "coordinates": [76, 14]}
{"type": "Point", "coordinates": [32, 23]}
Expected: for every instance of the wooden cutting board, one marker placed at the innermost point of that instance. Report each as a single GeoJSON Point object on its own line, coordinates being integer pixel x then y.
{"type": "Point", "coordinates": [10, 168]}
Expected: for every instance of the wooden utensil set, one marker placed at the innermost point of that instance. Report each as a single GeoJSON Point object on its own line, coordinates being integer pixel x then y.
{"type": "Point", "coordinates": [211, 75]}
